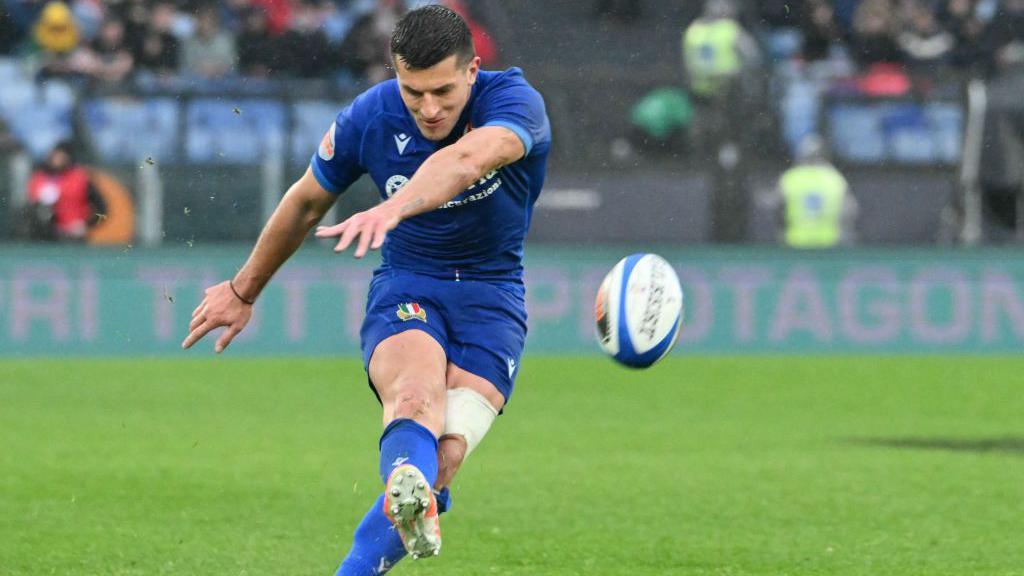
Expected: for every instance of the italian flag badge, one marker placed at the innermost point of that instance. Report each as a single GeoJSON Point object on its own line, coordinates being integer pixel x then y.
{"type": "Point", "coordinates": [411, 310]}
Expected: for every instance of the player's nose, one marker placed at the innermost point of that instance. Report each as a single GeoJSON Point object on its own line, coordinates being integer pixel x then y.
{"type": "Point", "coordinates": [430, 109]}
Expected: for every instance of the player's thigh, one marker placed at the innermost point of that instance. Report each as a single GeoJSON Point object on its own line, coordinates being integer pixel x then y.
{"type": "Point", "coordinates": [459, 378]}
{"type": "Point", "coordinates": [408, 372]}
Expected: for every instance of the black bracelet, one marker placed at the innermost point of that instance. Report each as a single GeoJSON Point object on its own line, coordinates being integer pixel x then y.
{"type": "Point", "coordinates": [231, 283]}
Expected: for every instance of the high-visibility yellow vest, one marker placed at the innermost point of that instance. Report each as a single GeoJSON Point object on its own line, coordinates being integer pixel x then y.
{"type": "Point", "coordinates": [711, 54]}
{"type": "Point", "coordinates": [814, 197]}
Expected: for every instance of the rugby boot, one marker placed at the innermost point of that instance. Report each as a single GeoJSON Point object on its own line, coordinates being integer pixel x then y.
{"type": "Point", "coordinates": [411, 506]}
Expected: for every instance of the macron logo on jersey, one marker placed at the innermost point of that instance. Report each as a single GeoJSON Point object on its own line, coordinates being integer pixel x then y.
{"type": "Point", "coordinates": [402, 140]}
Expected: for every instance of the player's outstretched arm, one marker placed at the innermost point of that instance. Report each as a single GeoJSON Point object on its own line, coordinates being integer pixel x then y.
{"type": "Point", "coordinates": [230, 302]}
{"type": "Point", "coordinates": [444, 175]}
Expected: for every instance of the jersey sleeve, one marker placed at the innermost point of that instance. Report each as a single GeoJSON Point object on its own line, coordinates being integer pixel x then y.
{"type": "Point", "coordinates": [512, 103]}
{"type": "Point", "coordinates": [337, 162]}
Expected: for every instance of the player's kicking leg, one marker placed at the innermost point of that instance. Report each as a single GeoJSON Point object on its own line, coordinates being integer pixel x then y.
{"type": "Point", "coordinates": [472, 404]}
{"type": "Point", "coordinates": [408, 372]}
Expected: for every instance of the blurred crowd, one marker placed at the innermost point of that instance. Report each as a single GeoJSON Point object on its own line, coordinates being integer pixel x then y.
{"type": "Point", "coordinates": [805, 52]}
{"type": "Point", "coordinates": [920, 37]}
{"type": "Point", "coordinates": [779, 61]}
{"type": "Point", "coordinates": [114, 41]}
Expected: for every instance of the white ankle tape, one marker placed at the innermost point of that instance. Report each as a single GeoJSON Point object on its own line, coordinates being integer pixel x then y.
{"type": "Point", "coordinates": [468, 414]}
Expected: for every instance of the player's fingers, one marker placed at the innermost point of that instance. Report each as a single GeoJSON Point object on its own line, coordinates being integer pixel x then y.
{"type": "Point", "coordinates": [198, 333]}
{"type": "Point", "coordinates": [199, 309]}
{"type": "Point", "coordinates": [226, 339]}
{"type": "Point", "coordinates": [196, 322]}
{"type": "Point", "coordinates": [331, 231]}
{"type": "Point", "coordinates": [364, 242]}
{"type": "Point", "coordinates": [378, 236]}
{"type": "Point", "coordinates": [349, 235]}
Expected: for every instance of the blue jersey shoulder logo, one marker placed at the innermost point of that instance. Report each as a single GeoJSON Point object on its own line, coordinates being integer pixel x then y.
{"type": "Point", "coordinates": [327, 144]}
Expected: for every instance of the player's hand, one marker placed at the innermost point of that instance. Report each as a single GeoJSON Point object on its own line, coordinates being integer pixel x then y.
{"type": "Point", "coordinates": [370, 227]}
{"type": "Point", "coordinates": [220, 307]}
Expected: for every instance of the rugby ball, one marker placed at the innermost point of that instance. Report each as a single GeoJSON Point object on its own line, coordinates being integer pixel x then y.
{"type": "Point", "coordinates": [639, 310]}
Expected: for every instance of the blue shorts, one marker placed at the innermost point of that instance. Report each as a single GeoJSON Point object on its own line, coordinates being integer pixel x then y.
{"type": "Point", "coordinates": [481, 325]}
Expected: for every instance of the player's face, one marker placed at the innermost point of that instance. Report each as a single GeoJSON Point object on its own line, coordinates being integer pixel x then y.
{"type": "Point", "coordinates": [436, 96]}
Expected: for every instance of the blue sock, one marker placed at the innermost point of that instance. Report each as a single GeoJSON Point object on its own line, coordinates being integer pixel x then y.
{"type": "Point", "coordinates": [406, 441]}
{"type": "Point", "coordinates": [444, 500]}
{"type": "Point", "coordinates": [376, 546]}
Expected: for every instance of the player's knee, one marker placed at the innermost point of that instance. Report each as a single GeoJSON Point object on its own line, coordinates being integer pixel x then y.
{"type": "Point", "coordinates": [414, 403]}
{"type": "Point", "coordinates": [415, 398]}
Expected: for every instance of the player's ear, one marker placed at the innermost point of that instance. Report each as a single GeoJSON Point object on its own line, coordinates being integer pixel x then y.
{"type": "Point", "coordinates": [473, 69]}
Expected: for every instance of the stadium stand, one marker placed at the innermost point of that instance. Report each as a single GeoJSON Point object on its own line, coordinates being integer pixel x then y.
{"type": "Point", "coordinates": [882, 81]}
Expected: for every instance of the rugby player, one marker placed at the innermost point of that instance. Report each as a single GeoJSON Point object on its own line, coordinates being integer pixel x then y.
{"type": "Point", "coordinates": [459, 155]}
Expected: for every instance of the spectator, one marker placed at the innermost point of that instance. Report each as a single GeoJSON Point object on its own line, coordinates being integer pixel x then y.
{"type": "Point", "coordinates": [233, 13]}
{"type": "Point", "coordinates": [135, 14]}
{"type": "Point", "coordinates": [210, 52]}
{"type": "Point", "coordinates": [156, 49]}
{"type": "Point", "coordinates": [305, 50]}
{"type": "Point", "coordinates": [279, 14]}
{"type": "Point", "coordinates": [661, 121]}
{"type": "Point", "coordinates": [722, 64]}
{"type": "Point", "coordinates": [814, 200]}
{"type": "Point", "coordinates": [108, 59]}
{"type": "Point", "coordinates": [716, 50]}
{"type": "Point", "coordinates": [55, 32]}
{"type": "Point", "coordinates": [1002, 153]}
{"type": "Point", "coordinates": [256, 49]}
{"type": "Point", "coordinates": [62, 203]}
{"type": "Point", "coordinates": [872, 38]}
{"type": "Point", "coordinates": [960, 19]}
{"type": "Point", "coordinates": [56, 39]}
{"type": "Point", "coordinates": [820, 30]}
{"type": "Point", "coordinates": [1004, 40]}
{"type": "Point", "coordinates": [924, 44]}
{"type": "Point", "coordinates": [366, 48]}
{"type": "Point", "coordinates": [89, 15]}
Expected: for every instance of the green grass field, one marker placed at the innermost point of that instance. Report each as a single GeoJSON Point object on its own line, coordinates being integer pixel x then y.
{"type": "Point", "coordinates": [728, 466]}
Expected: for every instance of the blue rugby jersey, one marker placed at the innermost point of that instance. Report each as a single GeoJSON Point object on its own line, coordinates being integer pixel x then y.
{"type": "Point", "coordinates": [479, 233]}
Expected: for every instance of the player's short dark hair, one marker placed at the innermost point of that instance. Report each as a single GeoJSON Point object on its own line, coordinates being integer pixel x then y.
{"type": "Point", "coordinates": [428, 35]}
